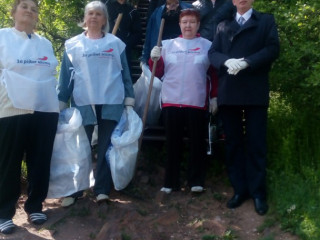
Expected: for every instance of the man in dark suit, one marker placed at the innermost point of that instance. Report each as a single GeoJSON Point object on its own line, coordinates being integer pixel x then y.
{"type": "Point", "coordinates": [243, 50]}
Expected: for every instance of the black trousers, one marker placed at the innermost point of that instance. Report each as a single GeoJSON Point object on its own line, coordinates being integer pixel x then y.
{"type": "Point", "coordinates": [246, 148]}
{"type": "Point", "coordinates": [32, 135]}
{"type": "Point", "coordinates": [103, 178]}
{"type": "Point", "coordinates": [176, 121]}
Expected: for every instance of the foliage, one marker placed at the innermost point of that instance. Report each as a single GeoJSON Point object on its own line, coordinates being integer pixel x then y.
{"type": "Point", "coordinates": [58, 20]}
{"type": "Point", "coordinates": [296, 74]}
{"type": "Point", "coordinates": [293, 131]}
{"type": "Point", "coordinates": [294, 168]}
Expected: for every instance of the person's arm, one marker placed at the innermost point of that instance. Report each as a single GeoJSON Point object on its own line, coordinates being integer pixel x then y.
{"type": "Point", "coordinates": [217, 59]}
{"type": "Point", "coordinates": [271, 49]}
{"type": "Point", "coordinates": [159, 68]}
{"type": "Point", "coordinates": [65, 84]}
{"type": "Point", "coordinates": [213, 77]}
{"type": "Point", "coordinates": [127, 81]}
{"type": "Point", "coordinates": [212, 89]}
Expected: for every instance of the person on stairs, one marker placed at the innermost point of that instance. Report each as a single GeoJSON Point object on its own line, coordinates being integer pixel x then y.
{"type": "Point", "coordinates": [170, 12]}
{"type": "Point", "coordinates": [130, 30]}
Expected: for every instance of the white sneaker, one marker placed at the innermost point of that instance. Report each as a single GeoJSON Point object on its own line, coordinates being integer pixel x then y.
{"type": "Point", "coordinates": [166, 190]}
{"type": "Point", "coordinates": [102, 197]}
{"type": "Point", "coordinates": [68, 201]}
{"type": "Point", "coordinates": [197, 189]}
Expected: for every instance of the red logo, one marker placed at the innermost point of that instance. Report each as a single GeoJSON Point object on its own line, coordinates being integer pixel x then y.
{"type": "Point", "coordinates": [196, 49]}
{"type": "Point", "coordinates": [43, 58]}
{"type": "Point", "coordinates": [110, 50]}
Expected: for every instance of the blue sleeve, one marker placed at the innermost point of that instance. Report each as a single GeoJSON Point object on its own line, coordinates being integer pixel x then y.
{"type": "Point", "coordinates": [65, 85]}
{"type": "Point", "coordinates": [126, 78]}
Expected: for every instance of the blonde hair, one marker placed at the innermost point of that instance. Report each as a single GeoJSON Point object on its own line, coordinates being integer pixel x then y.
{"type": "Point", "coordinates": [96, 5]}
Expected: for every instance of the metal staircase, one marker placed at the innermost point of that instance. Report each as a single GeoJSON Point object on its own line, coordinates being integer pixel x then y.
{"type": "Point", "coordinates": [142, 8]}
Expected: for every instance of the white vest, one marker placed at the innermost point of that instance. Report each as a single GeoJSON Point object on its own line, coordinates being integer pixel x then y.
{"type": "Point", "coordinates": [28, 68]}
{"type": "Point", "coordinates": [97, 69]}
{"type": "Point", "coordinates": [186, 63]}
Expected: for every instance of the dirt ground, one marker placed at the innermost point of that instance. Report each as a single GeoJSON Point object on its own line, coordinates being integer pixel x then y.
{"type": "Point", "coordinates": [142, 212]}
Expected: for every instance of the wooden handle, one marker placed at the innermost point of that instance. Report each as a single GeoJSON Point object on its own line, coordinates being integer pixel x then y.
{"type": "Point", "coordinates": [146, 107]}
{"type": "Point", "coordinates": [116, 25]}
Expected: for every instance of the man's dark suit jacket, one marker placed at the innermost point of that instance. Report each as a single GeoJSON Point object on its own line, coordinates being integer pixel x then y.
{"type": "Point", "coordinates": [257, 41]}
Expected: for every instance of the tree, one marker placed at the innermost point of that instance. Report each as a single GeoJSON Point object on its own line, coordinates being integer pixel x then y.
{"type": "Point", "coordinates": [58, 19]}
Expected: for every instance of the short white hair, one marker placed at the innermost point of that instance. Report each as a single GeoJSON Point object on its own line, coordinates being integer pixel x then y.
{"type": "Point", "coordinates": [96, 5]}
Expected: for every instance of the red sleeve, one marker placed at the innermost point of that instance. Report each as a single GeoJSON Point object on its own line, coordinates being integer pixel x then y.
{"type": "Point", "coordinates": [159, 68]}
{"type": "Point", "coordinates": [213, 82]}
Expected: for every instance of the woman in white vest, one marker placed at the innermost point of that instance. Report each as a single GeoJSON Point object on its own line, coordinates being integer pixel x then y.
{"type": "Point", "coordinates": [95, 76]}
{"type": "Point", "coordinates": [183, 66]}
{"type": "Point", "coordinates": [29, 110]}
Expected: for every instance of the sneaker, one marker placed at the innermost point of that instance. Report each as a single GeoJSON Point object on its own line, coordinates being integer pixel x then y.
{"type": "Point", "coordinates": [6, 226]}
{"type": "Point", "coordinates": [68, 201]}
{"type": "Point", "coordinates": [197, 189]}
{"type": "Point", "coordinates": [166, 190]}
{"type": "Point", "coordinates": [38, 218]}
{"type": "Point", "coordinates": [102, 198]}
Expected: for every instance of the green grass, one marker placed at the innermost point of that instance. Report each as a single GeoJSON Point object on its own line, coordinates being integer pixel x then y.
{"type": "Point", "coordinates": [125, 236]}
{"type": "Point", "coordinates": [294, 168]}
{"type": "Point", "coordinates": [269, 237]}
{"type": "Point", "coordinates": [228, 235]}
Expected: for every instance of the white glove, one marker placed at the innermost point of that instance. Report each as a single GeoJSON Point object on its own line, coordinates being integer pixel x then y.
{"type": "Point", "coordinates": [213, 108]}
{"type": "Point", "coordinates": [155, 53]}
{"type": "Point", "coordinates": [62, 105]}
{"type": "Point", "coordinates": [129, 107]}
{"type": "Point", "coordinates": [233, 63]}
{"type": "Point", "coordinates": [242, 65]}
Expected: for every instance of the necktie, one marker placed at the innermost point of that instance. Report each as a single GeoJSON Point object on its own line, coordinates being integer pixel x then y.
{"type": "Point", "coordinates": [241, 21]}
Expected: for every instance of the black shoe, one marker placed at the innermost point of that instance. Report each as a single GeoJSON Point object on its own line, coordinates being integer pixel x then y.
{"type": "Point", "coordinates": [38, 218]}
{"type": "Point", "coordinates": [260, 206]}
{"type": "Point", "coordinates": [6, 226]}
{"type": "Point", "coordinates": [236, 201]}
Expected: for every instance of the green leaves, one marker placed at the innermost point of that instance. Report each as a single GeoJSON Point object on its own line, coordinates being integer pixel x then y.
{"type": "Point", "coordinates": [296, 73]}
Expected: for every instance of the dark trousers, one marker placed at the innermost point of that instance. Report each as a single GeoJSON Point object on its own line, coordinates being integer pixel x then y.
{"type": "Point", "coordinates": [176, 120]}
{"type": "Point", "coordinates": [33, 135]}
{"type": "Point", "coordinates": [103, 178]}
{"type": "Point", "coordinates": [246, 148]}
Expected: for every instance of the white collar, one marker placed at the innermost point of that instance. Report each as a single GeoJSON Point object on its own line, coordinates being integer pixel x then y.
{"type": "Point", "coordinates": [22, 33]}
{"type": "Point", "coordinates": [246, 15]}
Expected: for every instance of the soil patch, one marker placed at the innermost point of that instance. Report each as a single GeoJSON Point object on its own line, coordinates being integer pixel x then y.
{"type": "Point", "coordinates": [141, 212]}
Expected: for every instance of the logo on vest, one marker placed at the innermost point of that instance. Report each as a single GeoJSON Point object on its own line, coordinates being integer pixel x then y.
{"type": "Point", "coordinates": [110, 50]}
{"type": "Point", "coordinates": [102, 54]}
{"type": "Point", "coordinates": [42, 62]}
{"type": "Point", "coordinates": [193, 51]}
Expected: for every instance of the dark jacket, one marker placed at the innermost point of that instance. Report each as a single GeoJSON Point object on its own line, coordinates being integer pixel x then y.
{"type": "Point", "coordinates": [153, 28]}
{"type": "Point", "coordinates": [129, 31]}
{"type": "Point", "coordinates": [211, 15]}
{"type": "Point", "coordinates": [257, 41]}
